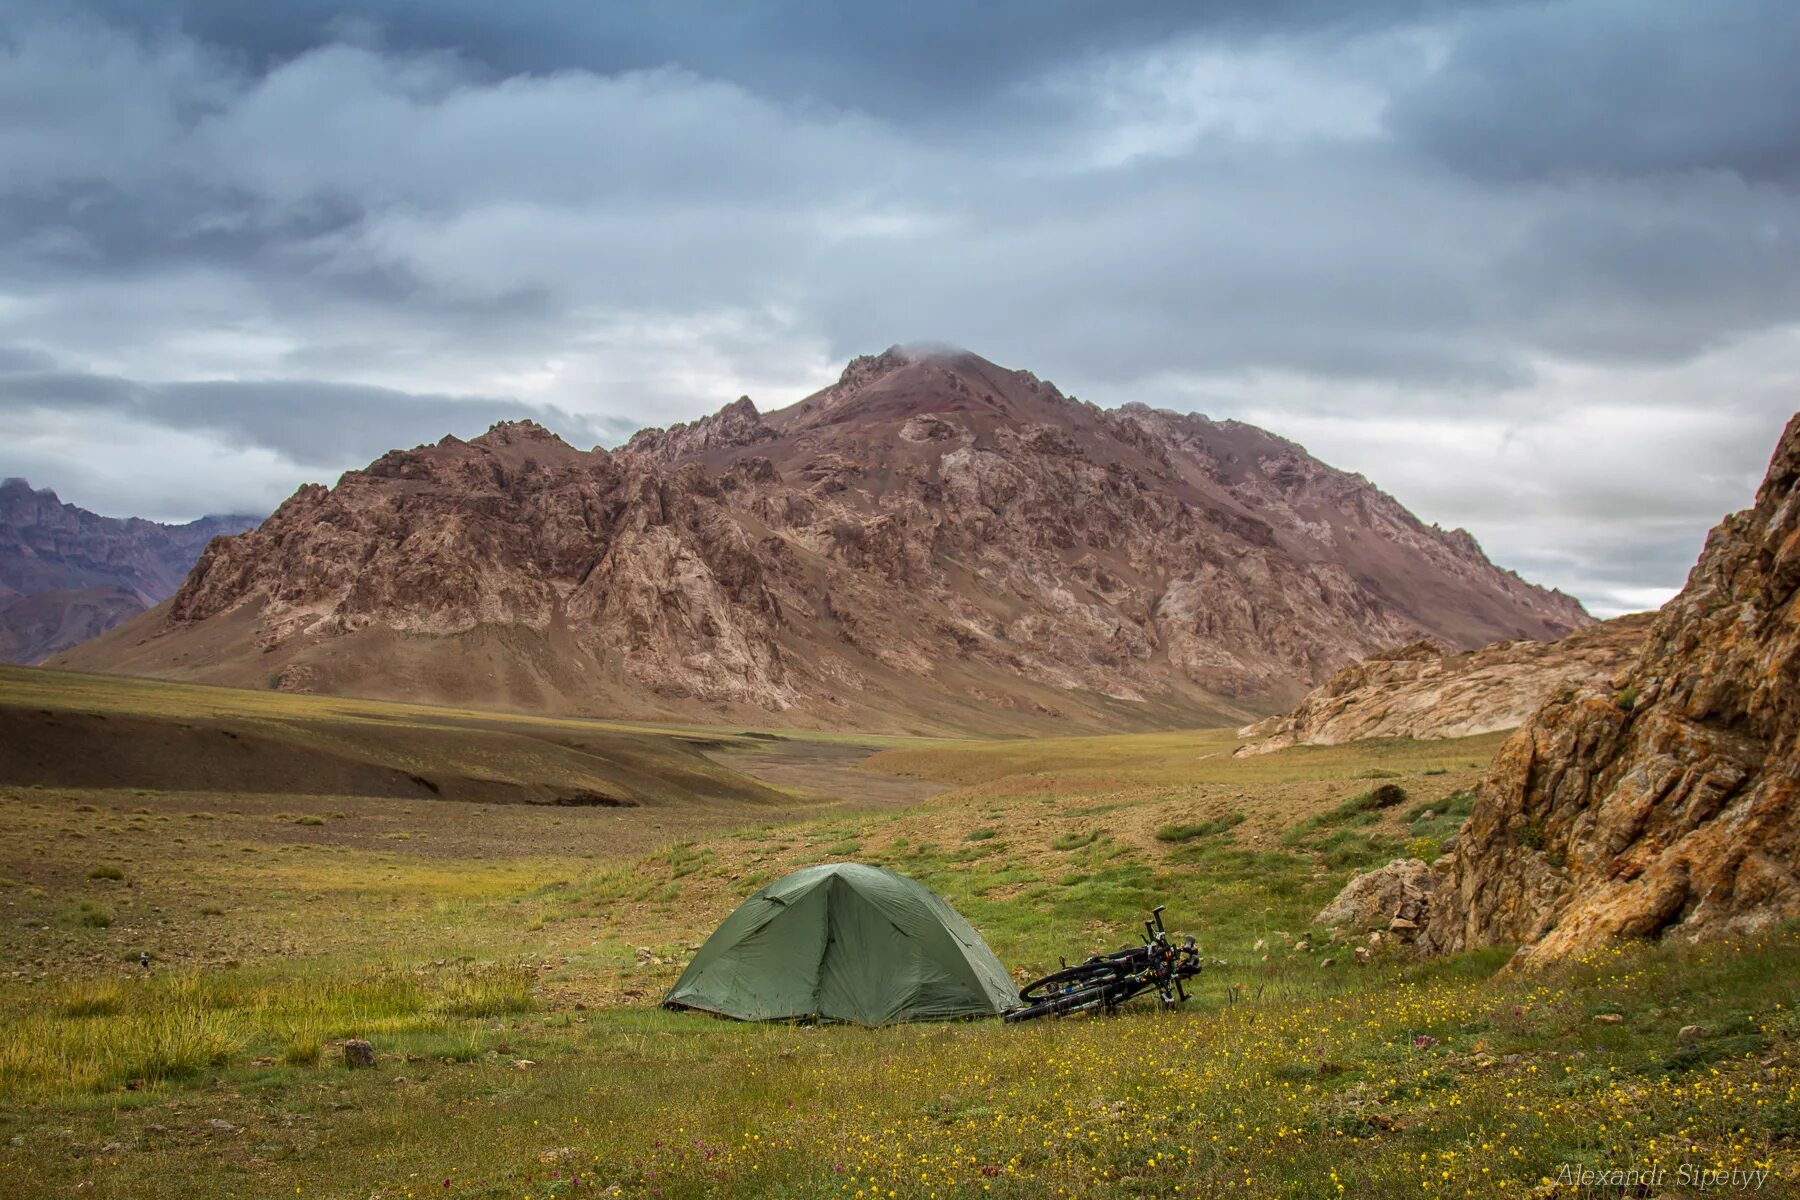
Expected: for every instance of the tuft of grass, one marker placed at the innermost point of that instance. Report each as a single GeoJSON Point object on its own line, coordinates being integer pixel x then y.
{"type": "Point", "coordinates": [1074, 839]}
{"type": "Point", "coordinates": [482, 992]}
{"type": "Point", "coordinates": [91, 998]}
{"type": "Point", "coordinates": [106, 871]}
{"type": "Point", "coordinates": [303, 1049]}
{"type": "Point", "coordinates": [309, 819]}
{"type": "Point", "coordinates": [86, 914]}
{"type": "Point", "coordinates": [1188, 833]}
{"type": "Point", "coordinates": [984, 834]}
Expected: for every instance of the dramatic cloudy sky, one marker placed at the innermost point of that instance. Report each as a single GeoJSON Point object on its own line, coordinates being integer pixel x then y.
{"type": "Point", "coordinates": [1534, 267]}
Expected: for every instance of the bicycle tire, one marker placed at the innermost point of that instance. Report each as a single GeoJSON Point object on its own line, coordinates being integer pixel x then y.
{"type": "Point", "coordinates": [1082, 973]}
{"type": "Point", "coordinates": [1078, 1000]}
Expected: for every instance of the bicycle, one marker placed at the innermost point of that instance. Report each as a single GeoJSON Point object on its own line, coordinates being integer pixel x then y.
{"type": "Point", "coordinates": [1106, 981]}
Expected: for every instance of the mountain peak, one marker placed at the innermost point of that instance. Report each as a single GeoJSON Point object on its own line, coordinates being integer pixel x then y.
{"type": "Point", "coordinates": [513, 433]}
{"type": "Point", "coordinates": [918, 379]}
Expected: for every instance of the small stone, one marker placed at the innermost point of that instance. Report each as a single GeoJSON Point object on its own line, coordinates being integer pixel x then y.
{"type": "Point", "coordinates": [113, 1148]}
{"type": "Point", "coordinates": [523, 1064]}
{"type": "Point", "coordinates": [218, 1125]}
{"type": "Point", "coordinates": [1328, 962]}
{"type": "Point", "coordinates": [1689, 1034]}
{"type": "Point", "coordinates": [1261, 945]}
{"type": "Point", "coordinates": [1401, 925]}
{"type": "Point", "coordinates": [1362, 956]}
{"type": "Point", "coordinates": [1428, 815]}
{"type": "Point", "coordinates": [358, 1053]}
{"type": "Point", "coordinates": [560, 1154]}
{"type": "Point", "coordinates": [1609, 1018]}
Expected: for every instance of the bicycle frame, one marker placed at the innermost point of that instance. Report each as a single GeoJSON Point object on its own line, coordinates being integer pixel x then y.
{"type": "Point", "coordinates": [1107, 981]}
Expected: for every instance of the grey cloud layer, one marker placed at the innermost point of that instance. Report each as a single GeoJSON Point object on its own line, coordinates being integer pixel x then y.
{"type": "Point", "coordinates": [625, 214]}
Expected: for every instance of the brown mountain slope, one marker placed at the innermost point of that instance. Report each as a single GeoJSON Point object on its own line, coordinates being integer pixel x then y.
{"type": "Point", "coordinates": [37, 626]}
{"type": "Point", "coordinates": [67, 574]}
{"type": "Point", "coordinates": [1423, 691]}
{"type": "Point", "coordinates": [1669, 807]}
{"type": "Point", "coordinates": [931, 543]}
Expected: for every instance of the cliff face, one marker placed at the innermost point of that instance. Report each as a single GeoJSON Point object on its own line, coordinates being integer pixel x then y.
{"type": "Point", "coordinates": [1424, 691]}
{"type": "Point", "coordinates": [67, 574]}
{"type": "Point", "coordinates": [1665, 807]}
{"type": "Point", "coordinates": [932, 542]}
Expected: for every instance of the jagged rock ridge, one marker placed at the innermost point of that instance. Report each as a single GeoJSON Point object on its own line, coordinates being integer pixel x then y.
{"type": "Point", "coordinates": [67, 574]}
{"type": "Point", "coordinates": [931, 542]}
{"type": "Point", "coordinates": [1422, 690]}
{"type": "Point", "coordinates": [1666, 807]}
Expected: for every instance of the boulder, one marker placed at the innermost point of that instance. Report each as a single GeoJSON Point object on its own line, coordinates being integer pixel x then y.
{"type": "Point", "coordinates": [1396, 897]}
{"type": "Point", "coordinates": [358, 1054]}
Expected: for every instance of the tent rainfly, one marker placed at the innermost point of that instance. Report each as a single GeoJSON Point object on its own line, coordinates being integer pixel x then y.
{"type": "Point", "coordinates": [845, 942]}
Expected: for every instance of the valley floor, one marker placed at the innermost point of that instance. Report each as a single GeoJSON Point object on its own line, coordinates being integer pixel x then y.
{"type": "Point", "coordinates": [505, 959]}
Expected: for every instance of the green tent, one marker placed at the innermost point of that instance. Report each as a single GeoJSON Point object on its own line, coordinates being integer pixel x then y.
{"type": "Point", "coordinates": [845, 942]}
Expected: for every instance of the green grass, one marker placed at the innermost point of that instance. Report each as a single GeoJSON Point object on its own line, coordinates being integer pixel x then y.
{"type": "Point", "coordinates": [1202, 829]}
{"type": "Point", "coordinates": [86, 914]}
{"type": "Point", "coordinates": [501, 935]}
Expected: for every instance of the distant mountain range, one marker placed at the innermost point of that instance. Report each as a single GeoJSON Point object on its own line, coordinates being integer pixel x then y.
{"type": "Point", "coordinates": [67, 575]}
{"type": "Point", "coordinates": [931, 543]}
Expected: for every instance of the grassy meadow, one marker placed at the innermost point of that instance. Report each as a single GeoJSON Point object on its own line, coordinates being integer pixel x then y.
{"type": "Point", "coordinates": [506, 959]}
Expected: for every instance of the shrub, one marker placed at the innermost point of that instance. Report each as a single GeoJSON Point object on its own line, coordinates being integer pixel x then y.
{"type": "Point", "coordinates": [106, 872]}
{"type": "Point", "coordinates": [1387, 795]}
{"type": "Point", "coordinates": [1426, 848]}
{"type": "Point", "coordinates": [1626, 697]}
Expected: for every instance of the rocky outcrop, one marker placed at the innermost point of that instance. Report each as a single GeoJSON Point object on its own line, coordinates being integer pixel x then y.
{"type": "Point", "coordinates": [67, 574]}
{"type": "Point", "coordinates": [737, 424]}
{"type": "Point", "coordinates": [933, 542]}
{"type": "Point", "coordinates": [1395, 899]}
{"type": "Point", "coordinates": [1668, 806]}
{"type": "Point", "coordinates": [1422, 690]}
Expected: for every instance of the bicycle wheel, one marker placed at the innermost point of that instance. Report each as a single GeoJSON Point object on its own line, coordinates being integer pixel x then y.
{"type": "Point", "coordinates": [1056, 982]}
{"type": "Point", "coordinates": [1078, 1000]}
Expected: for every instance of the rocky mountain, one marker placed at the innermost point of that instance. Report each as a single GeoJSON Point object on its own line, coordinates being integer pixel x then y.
{"type": "Point", "coordinates": [1423, 690]}
{"type": "Point", "coordinates": [933, 542]}
{"type": "Point", "coordinates": [1668, 806]}
{"type": "Point", "coordinates": [67, 574]}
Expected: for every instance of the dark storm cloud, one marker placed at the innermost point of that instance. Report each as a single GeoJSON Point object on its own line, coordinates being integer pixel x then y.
{"type": "Point", "coordinates": [1443, 243]}
{"type": "Point", "coordinates": [898, 60]}
{"type": "Point", "coordinates": [306, 422]}
{"type": "Point", "coordinates": [1628, 87]}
